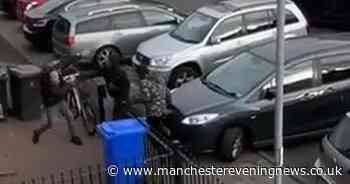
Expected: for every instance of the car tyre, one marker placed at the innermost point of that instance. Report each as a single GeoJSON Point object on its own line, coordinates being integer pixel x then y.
{"type": "Point", "coordinates": [232, 144]}
{"type": "Point", "coordinates": [103, 54]}
{"type": "Point", "coordinates": [182, 75]}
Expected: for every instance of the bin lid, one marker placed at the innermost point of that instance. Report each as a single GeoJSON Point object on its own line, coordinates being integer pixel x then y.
{"type": "Point", "coordinates": [121, 127]}
{"type": "Point", "coordinates": [23, 71]}
{"type": "Point", "coordinates": [3, 72]}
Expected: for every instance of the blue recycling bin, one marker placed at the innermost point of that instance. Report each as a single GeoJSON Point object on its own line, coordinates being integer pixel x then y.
{"type": "Point", "coordinates": [124, 147]}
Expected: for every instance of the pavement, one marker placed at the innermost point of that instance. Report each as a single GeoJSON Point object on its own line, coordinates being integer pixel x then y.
{"type": "Point", "coordinates": [12, 55]}
{"type": "Point", "coordinates": [20, 49]}
{"type": "Point", "coordinates": [19, 158]}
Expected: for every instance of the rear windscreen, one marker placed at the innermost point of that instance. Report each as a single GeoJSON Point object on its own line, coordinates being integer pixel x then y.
{"type": "Point", "coordinates": [62, 26]}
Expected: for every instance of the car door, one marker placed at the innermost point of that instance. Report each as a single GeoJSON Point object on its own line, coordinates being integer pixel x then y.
{"type": "Point", "coordinates": [300, 83]}
{"type": "Point", "coordinates": [293, 27]}
{"type": "Point", "coordinates": [129, 31]}
{"type": "Point", "coordinates": [92, 33]}
{"type": "Point", "coordinates": [224, 42]}
{"type": "Point", "coordinates": [259, 26]}
{"type": "Point", "coordinates": [158, 22]}
{"type": "Point", "coordinates": [335, 76]}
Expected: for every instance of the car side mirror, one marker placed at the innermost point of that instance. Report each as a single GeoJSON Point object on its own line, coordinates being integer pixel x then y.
{"type": "Point", "coordinates": [215, 40]}
{"type": "Point", "coordinates": [270, 94]}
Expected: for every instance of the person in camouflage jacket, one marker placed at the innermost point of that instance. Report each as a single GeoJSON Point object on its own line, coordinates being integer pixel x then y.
{"type": "Point", "coordinates": [155, 95]}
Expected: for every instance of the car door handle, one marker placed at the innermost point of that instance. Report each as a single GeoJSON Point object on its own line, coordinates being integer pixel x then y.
{"type": "Point", "coordinates": [306, 96]}
{"type": "Point", "coordinates": [327, 91]}
{"type": "Point", "coordinates": [288, 36]}
{"type": "Point", "coordinates": [314, 94]}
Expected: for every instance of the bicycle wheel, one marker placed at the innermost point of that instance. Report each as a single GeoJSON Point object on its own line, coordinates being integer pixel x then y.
{"type": "Point", "coordinates": [72, 104]}
{"type": "Point", "coordinates": [89, 119]}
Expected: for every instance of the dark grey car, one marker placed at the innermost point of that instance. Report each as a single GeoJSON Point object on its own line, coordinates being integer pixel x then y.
{"type": "Point", "coordinates": [233, 106]}
{"type": "Point", "coordinates": [335, 152]}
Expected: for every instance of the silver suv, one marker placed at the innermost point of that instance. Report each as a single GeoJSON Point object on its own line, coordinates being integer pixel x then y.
{"type": "Point", "coordinates": [100, 30]}
{"type": "Point", "coordinates": [212, 35]}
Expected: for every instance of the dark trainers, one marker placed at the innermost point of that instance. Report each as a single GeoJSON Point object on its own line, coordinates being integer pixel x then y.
{"type": "Point", "coordinates": [76, 140]}
{"type": "Point", "coordinates": [92, 133]}
{"type": "Point", "coordinates": [36, 136]}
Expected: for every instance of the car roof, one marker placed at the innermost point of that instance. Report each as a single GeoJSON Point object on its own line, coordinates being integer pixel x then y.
{"type": "Point", "coordinates": [225, 7]}
{"type": "Point", "coordinates": [82, 14]}
{"type": "Point", "coordinates": [299, 48]}
{"type": "Point", "coordinates": [76, 4]}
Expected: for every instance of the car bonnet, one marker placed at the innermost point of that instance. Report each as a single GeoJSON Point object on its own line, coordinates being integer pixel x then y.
{"type": "Point", "coordinates": [194, 97]}
{"type": "Point", "coordinates": [163, 45]}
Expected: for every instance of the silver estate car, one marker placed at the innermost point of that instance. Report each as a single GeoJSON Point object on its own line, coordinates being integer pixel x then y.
{"type": "Point", "coordinates": [100, 30]}
{"type": "Point", "coordinates": [212, 35]}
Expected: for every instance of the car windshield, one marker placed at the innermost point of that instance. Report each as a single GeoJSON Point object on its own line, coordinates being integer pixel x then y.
{"type": "Point", "coordinates": [90, 3]}
{"type": "Point", "coordinates": [239, 76]}
{"type": "Point", "coordinates": [194, 28]}
{"type": "Point", "coordinates": [52, 5]}
{"type": "Point", "coordinates": [340, 136]}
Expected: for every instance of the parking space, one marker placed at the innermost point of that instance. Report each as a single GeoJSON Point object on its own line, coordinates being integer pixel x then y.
{"type": "Point", "coordinates": [298, 155]}
{"type": "Point", "coordinates": [12, 33]}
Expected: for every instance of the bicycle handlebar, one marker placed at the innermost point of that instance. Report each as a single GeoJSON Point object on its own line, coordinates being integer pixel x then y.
{"type": "Point", "coordinates": [71, 77]}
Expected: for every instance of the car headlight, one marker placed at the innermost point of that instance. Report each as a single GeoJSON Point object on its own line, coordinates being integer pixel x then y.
{"type": "Point", "coordinates": [31, 5]}
{"type": "Point", "coordinates": [199, 119]}
{"type": "Point", "coordinates": [159, 62]}
{"type": "Point", "coordinates": [40, 23]}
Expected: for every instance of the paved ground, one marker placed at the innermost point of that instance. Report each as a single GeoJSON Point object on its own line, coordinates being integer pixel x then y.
{"type": "Point", "coordinates": [12, 55]}
{"type": "Point", "coordinates": [18, 156]}
{"type": "Point", "coordinates": [11, 31]}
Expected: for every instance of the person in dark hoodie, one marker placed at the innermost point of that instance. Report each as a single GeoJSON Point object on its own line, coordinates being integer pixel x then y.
{"type": "Point", "coordinates": [117, 84]}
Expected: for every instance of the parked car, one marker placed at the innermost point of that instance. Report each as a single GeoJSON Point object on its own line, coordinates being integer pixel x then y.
{"type": "Point", "coordinates": [331, 14]}
{"type": "Point", "coordinates": [26, 5]}
{"type": "Point", "coordinates": [335, 152]}
{"type": "Point", "coordinates": [212, 34]}
{"type": "Point", "coordinates": [233, 106]}
{"type": "Point", "coordinates": [102, 30]}
{"type": "Point", "coordinates": [39, 21]}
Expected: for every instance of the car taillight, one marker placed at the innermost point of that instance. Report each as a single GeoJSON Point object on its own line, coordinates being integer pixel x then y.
{"type": "Point", "coordinates": [69, 41]}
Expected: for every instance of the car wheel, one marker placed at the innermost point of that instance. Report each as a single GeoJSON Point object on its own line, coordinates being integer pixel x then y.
{"type": "Point", "coordinates": [102, 56]}
{"type": "Point", "coordinates": [232, 144]}
{"type": "Point", "coordinates": [182, 75]}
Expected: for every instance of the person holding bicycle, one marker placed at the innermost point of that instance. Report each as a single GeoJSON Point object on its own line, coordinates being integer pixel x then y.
{"type": "Point", "coordinates": [53, 92]}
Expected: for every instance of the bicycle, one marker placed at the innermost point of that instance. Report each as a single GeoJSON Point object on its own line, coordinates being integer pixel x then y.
{"type": "Point", "coordinates": [80, 107]}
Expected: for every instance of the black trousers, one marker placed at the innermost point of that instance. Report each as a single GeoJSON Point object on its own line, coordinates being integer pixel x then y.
{"type": "Point", "coordinates": [64, 110]}
{"type": "Point", "coordinates": [121, 109]}
{"type": "Point", "coordinates": [121, 105]}
{"type": "Point", "coordinates": [155, 122]}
